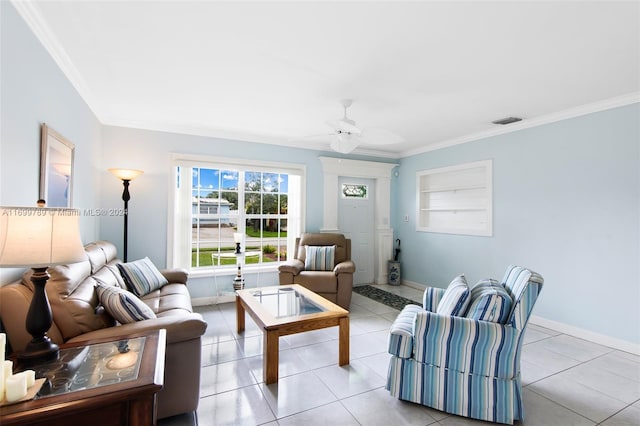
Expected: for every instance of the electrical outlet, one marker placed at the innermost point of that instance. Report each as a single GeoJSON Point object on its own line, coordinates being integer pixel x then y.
{"type": "Point", "coordinates": [406, 218]}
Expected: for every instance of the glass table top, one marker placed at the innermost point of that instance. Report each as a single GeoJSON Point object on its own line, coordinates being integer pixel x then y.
{"type": "Point", "coordinates": [91, 366]}
{"type": "Point", "coordinates": [286, 302]}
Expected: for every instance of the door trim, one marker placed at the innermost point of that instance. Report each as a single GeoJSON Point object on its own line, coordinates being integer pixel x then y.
{"type": "Point", "coordinates": [381, 172]}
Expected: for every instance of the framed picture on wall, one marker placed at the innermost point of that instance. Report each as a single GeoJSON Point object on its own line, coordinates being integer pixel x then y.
{"type": "Point", "coordinates": [56, 168]}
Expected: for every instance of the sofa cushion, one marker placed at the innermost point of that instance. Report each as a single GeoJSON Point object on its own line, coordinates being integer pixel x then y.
{"type": "Point", "coordinates": [489, 302]}
{"type": "Point", "coordinates": [122, 305]}
{"type": "Point", "coordinates": [319, 258]}
{"type": "Point", "coordinates": [142, 276]}
{"type": "Point", "coordinates": [318, 281]}
{"type": "Point", "coordinates": [456, 297]}
{"type": "Point", "coordinates": [170, 300]}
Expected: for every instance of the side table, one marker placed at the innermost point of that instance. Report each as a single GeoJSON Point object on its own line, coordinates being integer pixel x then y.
{"type": "Point", "coordinates": [105, 382]}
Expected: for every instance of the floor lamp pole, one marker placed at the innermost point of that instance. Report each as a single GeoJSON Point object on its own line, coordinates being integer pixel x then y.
{"type": "Point", "coordinates": [126, 176]}
{"type": "Point", "coordinates": [126, 197]}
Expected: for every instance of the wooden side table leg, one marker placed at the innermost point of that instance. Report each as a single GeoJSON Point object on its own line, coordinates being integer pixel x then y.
{"type": "Point", "coordinates": [239, 315]}
{"type": "Point", "coordinates": [270, 356]}
{"type": "Point", "coordinates": [343, 348]}
{"type": "Point", "coordinates": [142, 411]}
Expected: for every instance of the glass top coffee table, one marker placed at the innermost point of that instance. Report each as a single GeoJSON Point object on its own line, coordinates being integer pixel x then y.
{"type": "Point", "coordinates": [289, 309]}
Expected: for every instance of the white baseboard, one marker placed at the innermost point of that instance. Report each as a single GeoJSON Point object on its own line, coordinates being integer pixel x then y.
{"type": "Point", "coordinates": [591, 336]}
{"type": "Point", "coordinates": [214, 300]}
{"type": "Point", "coordinates": [414, 285]}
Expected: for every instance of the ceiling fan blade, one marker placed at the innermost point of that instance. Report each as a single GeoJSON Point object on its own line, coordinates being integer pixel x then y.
{"type": "Point", "coordinates": [343, 126]}
{"type": "Point", "coordinates": [378, 136]}
{"type": "Point", "coordinates": [319, 137]}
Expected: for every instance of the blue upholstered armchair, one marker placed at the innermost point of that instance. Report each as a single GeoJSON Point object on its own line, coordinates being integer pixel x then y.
{"type": "Point", "coordinates": [466, 360]}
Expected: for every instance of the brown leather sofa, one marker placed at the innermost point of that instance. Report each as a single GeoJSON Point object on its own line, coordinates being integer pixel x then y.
{"type": "Point", "coordinates": [333, 285]}
{"type": "Point", "coordinates": [78, 317]}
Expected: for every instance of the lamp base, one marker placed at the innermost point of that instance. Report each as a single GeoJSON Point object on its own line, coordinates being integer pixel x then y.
{"type": "Point", "coordinates": [39, 320]}
{"type": "Point", "coordinates": [39, 350]}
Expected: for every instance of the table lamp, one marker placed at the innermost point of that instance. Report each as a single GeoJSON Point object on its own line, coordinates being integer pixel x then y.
{"type": "Point", "coordinates": [39, 237]}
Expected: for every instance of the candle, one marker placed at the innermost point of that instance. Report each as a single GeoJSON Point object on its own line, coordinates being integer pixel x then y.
{"type": "Point", "coordinates": [3, 345]}
{"type": "Point", "coordinates": [31, 376]}
{"type": "Point", "coordinates": [16, 387]}
{"type": "Point", "coordinates": [8, 369]}
{"type": "Point", "coordinates": [2, 381]}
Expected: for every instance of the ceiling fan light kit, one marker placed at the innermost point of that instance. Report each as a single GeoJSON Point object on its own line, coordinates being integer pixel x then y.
{"type": "Point", "coordinates": [347, 136]}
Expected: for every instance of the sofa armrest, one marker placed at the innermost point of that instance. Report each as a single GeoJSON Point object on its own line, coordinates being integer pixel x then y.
{"type": "Point", "coordinates": [175, 276]}
{"type": "Point", "coordinates": [346, 267]}
{"type": "Point", "coordinates": [462, 344]}
{"type": "Point", "coordinates": [179, 328]}
{"type": "Point", "coordinates": [294, 266]}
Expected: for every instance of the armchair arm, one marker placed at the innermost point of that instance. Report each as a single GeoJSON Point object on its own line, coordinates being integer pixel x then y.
{"type": "Point", "coordinates": [402, 331]}
{"type": "Point", "coordinates": [346, 267]}
{"type": "Point", "coordinates": [175, 276]}
{"type": "Point", "coordinates": [462, 344]}
{"type": "Point", "coordinates": [294, 266]}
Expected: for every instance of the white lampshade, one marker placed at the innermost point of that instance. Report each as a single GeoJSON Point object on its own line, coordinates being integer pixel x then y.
{"type": "Point", "coordinates": [126, 174]}
{"type": "Point", "coordinates": [39, 237]}
{"type": "Point", "coordinates": [237, 237]}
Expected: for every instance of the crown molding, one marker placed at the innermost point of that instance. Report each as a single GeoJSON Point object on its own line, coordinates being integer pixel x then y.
{"type": "Point", "coordinates": [30, 12]}
{"type": "Point", "coordinates": [618, 101]}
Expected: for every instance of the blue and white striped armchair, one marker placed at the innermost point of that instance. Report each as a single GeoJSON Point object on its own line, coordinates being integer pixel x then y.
{"type": "Point", "coordinates": [461, 365]}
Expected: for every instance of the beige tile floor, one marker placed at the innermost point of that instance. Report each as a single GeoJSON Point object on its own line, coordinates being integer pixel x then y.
{"type": "Point", "coordinates": [567, 381]}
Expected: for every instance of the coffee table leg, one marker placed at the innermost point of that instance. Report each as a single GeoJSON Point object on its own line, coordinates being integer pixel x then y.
{"type": "Point", "coordinates": [239, 315]}
{"type": "Point", "coordinates": [270, 356]}
{"type": "Point", "coordinates": [343, 348]}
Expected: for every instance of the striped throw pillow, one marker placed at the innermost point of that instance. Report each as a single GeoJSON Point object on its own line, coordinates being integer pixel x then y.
{"type": "Point", "coordinates": [122, 305]}
{"type": "Point", "coordinates": [455, 300]}
{"type": "Point", "coordinates": [142, 276]}
{"type": "Point", "coordinates": [319, 258]}
{"type": "Point", "coordinates": [489, 302]}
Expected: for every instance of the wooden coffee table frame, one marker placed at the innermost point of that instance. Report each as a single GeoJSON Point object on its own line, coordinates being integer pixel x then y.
{"type": "Point", "coordinates": [273, 327]}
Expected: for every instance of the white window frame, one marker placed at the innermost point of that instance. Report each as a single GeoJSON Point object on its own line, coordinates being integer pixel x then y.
{"type": "Point", "coordinates": [456, 199]}
{"type": "Point", "coordinates": [179, 243]}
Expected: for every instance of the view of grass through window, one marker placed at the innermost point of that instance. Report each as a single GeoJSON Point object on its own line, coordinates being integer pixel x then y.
{"type": "Point", "coordinates": [252, 203]}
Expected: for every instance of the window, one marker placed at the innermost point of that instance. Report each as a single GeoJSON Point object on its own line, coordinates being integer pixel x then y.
{"type": "Point", "coordinates": [213, 200]}
{"type": "Point", "coordinates": [456, 199]}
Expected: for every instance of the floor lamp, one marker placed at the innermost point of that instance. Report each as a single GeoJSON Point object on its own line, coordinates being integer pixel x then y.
{"type": "Point", "coordinates": [126, 175]}
{"type": "Point", "coordinates": [39, 237]}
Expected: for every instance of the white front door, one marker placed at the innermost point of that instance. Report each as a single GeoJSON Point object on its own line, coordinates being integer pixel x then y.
{"type": "Point", "coordinates": [356, 221]}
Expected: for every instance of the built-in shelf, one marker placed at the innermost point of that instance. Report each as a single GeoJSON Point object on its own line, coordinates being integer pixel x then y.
{"type": "Point", "coordinates": [453, 188]}
{"type": "Point", "coordinates": [455, 199]}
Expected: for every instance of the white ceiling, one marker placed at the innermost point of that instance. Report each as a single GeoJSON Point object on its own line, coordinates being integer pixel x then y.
{"type": "Point", "coordinates": [437, 73]}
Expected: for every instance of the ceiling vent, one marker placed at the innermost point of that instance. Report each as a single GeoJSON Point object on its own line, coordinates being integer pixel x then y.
{"type": "Point", "coordinates": [507, 120]}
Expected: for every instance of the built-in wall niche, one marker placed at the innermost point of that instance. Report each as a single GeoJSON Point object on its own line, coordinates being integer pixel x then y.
{"type": "Point", "coordinates": [456, 199]}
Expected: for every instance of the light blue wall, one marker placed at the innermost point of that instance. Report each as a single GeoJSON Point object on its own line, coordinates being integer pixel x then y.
{"type": "Point", "coordinates": [150, 151]}
{"type": "Point", "coordinates": [33, 90]}
{"type": "Point", "coordinates": [566, 203]}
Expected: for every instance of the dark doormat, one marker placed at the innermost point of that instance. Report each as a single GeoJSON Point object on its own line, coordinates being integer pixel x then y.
{"type": "Point", "coordinates": [389, 299]}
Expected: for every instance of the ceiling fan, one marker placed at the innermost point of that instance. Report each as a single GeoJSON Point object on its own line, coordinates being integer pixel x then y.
{"type": "Point", "coordinates": [346, 136]}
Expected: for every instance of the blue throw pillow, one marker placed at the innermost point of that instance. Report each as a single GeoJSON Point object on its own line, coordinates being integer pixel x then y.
{"type": "Point", "coordinates": [490, 301]}
{"type": "Point", "coordinates": [319, 258]}
{"type": "Point", "coordinates": [455, 300]}
{"type": "Point", "coordinates": [122, 305]}
{"type": "Point", "coordinates": [142, 276]}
